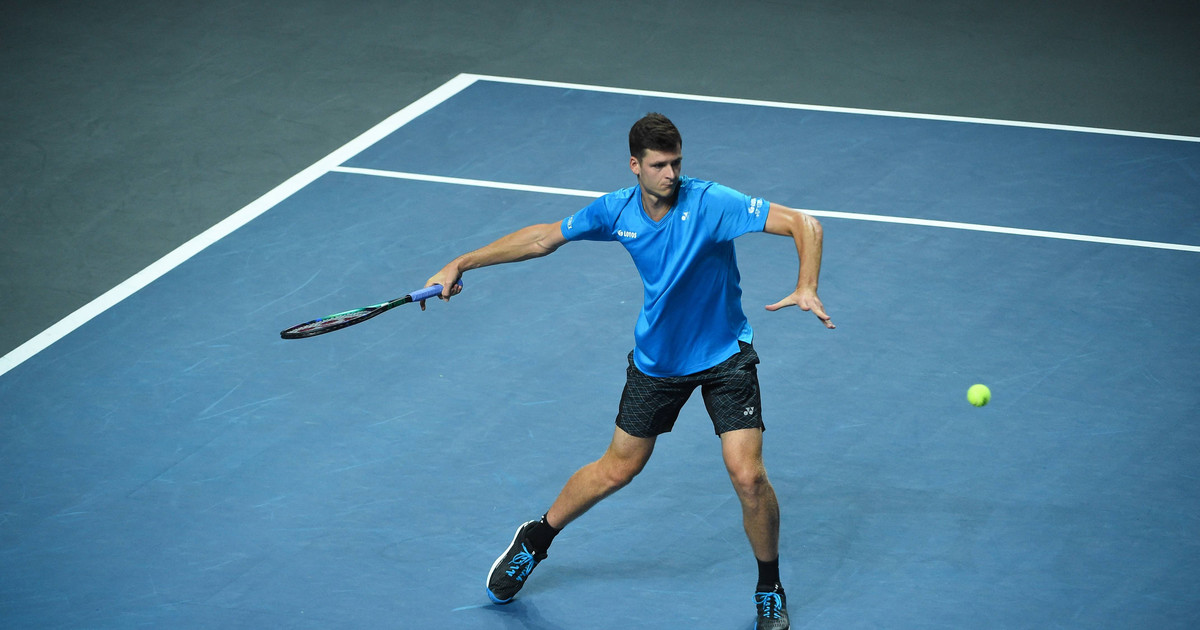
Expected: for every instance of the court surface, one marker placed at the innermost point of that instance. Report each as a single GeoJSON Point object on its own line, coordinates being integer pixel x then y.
{"type": "Point", "coordinates": [170, 462]}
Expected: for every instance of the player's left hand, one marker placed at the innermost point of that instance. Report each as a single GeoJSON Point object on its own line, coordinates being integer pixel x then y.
{"type": "Point", "coordinates": [807, 301]}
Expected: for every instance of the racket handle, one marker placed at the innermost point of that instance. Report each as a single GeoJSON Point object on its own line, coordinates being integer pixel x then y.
{"type": "Point", "coordinates": [428, 292]}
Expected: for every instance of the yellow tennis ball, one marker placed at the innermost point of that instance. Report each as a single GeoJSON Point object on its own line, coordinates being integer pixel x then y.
{"type": "Point", "coordinates": [979, 395]}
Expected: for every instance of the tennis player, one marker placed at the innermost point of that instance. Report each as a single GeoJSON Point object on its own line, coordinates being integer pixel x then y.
{"type": "Point", "coordinates": [691, 333]}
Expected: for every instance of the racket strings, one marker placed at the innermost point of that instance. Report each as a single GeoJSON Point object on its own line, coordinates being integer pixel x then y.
{"type": "Point", "coordinates": [333, 322]}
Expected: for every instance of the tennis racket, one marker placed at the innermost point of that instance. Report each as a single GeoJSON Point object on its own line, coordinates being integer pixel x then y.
{"type": "Point", "coordinates": [337, 321]}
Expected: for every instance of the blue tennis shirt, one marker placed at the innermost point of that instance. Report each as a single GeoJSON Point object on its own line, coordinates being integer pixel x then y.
{"type": "Point", "coordinates": [692, 315]}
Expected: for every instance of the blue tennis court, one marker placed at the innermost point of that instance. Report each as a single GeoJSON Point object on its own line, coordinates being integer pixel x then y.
{"type": "Point", "coordinates": [170, 462]}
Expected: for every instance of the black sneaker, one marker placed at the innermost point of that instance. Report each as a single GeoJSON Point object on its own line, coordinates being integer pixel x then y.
{"type": "Point", "coordinates": [510, 570]}
{"type": "Point", "coordinates": [772, 609]}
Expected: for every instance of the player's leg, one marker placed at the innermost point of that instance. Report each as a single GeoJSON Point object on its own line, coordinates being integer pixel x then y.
{"type": "Point", "coordinates": [734, 402]}
{"type": "Point", "coordinates": [648, 408]}
{"type": "Point", "coordinates": [625, 458]}
{"type": "Point", "coordinates": [731, 394]}
{"type": "Point", "coordinates": [742, 452]}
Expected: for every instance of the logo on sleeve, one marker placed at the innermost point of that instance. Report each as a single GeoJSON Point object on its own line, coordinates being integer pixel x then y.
{"type": "Point", "coordinates": [756, 207]}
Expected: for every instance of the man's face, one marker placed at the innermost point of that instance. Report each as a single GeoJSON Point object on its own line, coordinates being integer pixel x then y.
{"type": "Point", "coordinates": [658, 171]}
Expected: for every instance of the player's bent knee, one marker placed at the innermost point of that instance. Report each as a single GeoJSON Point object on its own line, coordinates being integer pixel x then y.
{"type": "Point", "coordinates": [618, 473]}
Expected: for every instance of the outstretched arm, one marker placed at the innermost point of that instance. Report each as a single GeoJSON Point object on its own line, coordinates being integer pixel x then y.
{"type": "Point", "coordinates": [806, 232]}
{"type": "Point", "coordinates": [529, 242]}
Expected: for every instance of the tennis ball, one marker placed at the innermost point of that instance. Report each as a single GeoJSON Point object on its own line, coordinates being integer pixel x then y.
{"type": "Point", "coordinates": [979, 395]}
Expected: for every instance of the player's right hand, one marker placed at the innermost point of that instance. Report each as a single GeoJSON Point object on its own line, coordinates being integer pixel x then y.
{"type": "Point", "coordinates": [451, 280]}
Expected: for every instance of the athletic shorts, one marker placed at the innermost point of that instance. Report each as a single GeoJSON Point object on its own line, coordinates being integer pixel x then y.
{"type": "Point", "coordinates": [650, 404]}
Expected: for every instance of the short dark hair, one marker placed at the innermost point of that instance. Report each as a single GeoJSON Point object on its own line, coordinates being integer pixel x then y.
{"type": "Point", "coordinates": [653, 132]}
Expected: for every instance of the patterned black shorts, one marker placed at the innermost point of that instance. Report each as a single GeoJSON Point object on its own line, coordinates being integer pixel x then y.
{"type": "Point", "coordinates": [650, 405]}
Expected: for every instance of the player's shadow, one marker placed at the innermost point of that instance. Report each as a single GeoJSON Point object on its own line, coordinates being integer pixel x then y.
{"type": "Point", "coordinates": [521, 615]}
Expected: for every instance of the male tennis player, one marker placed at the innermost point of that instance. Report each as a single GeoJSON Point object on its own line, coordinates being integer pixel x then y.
{"type": "Point", "coordinates": [691, 333]}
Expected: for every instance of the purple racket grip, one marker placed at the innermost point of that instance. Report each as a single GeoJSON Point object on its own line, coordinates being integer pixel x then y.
{"type": "Point", "coordinates": [428, 292]}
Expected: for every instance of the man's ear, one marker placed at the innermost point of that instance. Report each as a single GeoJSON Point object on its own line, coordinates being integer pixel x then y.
{"type": "Point", "coordinates": [634, 165]}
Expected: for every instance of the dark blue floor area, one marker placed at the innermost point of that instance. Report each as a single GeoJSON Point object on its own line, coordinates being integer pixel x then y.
{"type": "Point", "coordinates": [173, 463]}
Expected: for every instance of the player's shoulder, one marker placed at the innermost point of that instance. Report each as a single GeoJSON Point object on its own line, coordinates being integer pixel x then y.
{"type": "Point", "coordinates": [693, 191]}
{"type": "Point", "coordinates": [717, 198]}
{"type": "Point", "coordinates": [624, 193]}
{"type": "Point", "coordinates": [619, 203]}
{"type": "Point", "coordinates": [693, 184]}
{"type": "Point", "coordinates": [704, 187]}
{"type": "Point", "coordinates": [706, 192]}
{"type": "Point", "coordinates": [618, 199]}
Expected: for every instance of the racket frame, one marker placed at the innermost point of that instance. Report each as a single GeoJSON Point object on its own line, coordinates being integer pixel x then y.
{"type": "Point", "coordinates": [312, 328]}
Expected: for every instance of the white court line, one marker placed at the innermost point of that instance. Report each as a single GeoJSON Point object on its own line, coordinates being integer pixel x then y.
{"type": "Point", "coordinates": [441, 94]}
{"type": "Point", "coordinates": [197, 244]}
{"type": "Point", "coordinates": [838, 110]}
{"type": "Point", "coordinates": [459, 181]}
{"type": "Point", "coordinates": [854, 216]}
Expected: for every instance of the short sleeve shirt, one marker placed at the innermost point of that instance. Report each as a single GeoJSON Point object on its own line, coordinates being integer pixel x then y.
{"type": "Point", "coordinates": [691, 317]}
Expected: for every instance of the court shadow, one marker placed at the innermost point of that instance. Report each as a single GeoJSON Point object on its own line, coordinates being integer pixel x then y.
{"type": "Point", "coordinates": [521, 615]}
